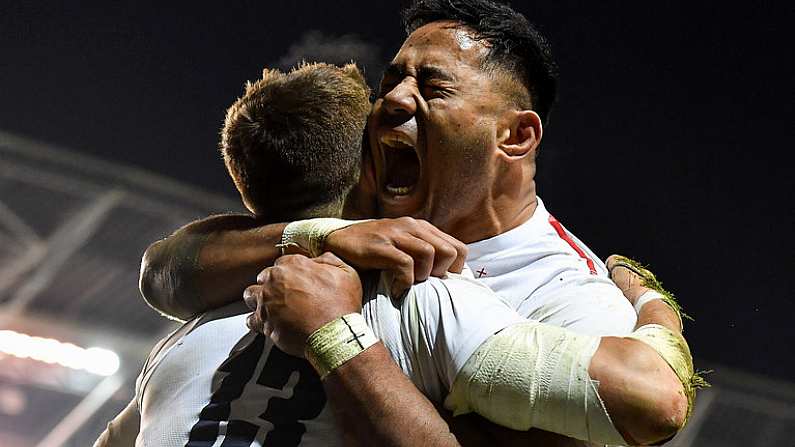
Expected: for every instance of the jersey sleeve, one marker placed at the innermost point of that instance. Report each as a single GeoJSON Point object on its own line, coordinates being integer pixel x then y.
{"type": "Point", "coordinates": [591, 306]}
{"type": "Point", "coordinates": [444, 322]}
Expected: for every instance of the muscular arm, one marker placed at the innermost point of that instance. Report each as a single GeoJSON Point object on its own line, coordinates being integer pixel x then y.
{"type": "Point", "coordinates": [642, 394]}
{"type": "Point", "coordinates": [376, 404]}
{"type": "Point", "coordinates": [207, 263]}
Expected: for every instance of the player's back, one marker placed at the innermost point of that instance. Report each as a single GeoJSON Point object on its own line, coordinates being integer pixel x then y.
{"type": "Point", "coordinates": [214, 382]}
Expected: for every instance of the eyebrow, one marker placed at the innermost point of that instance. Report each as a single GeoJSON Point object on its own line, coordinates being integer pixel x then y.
{"type": "Point", "coordinates": [433, 72]}
{"type": "Point", "coordinates": [424, 72]}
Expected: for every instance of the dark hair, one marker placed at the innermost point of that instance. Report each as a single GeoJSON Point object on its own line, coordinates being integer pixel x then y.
{"type": "Point", "coordinates": [515, 45]}
{"type": "Point", "coordinates": [292, 143]}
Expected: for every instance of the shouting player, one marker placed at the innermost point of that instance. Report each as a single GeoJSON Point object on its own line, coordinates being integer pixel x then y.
{"type": "Point", "coordinates": [450, 101]}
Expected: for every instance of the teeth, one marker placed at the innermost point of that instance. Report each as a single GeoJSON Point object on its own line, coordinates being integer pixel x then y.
{"type": "Point", "coordinates": [398, 190]}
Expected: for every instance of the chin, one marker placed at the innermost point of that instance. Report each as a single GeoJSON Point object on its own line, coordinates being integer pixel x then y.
{"type": "Point", "coordinates": [391, 209]}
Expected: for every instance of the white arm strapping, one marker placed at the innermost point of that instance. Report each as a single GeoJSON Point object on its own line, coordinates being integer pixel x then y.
{"type": "Point", "coordinates": [650, 295]}
{"type": "Point", "coordinates": [310, 234]}
{"type": "Point", "coordinates": [534, 375]}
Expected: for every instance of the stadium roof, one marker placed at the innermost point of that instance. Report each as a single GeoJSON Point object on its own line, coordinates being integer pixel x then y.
{"type": "Point", "coordinates": [72, 231]}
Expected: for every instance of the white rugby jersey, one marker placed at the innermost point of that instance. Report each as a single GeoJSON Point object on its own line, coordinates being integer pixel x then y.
{"type": "Point", "coordinates": [214, 383]}
{"type": "Point", "coordinates": [548, 275]}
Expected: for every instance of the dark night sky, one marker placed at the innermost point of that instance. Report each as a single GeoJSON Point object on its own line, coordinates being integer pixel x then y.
{"type": "Point", "coordinates": [667, 144]}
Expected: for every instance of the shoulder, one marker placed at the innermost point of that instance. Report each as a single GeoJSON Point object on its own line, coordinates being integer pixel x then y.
{"type": "Point", "coordinates": [455, 287]}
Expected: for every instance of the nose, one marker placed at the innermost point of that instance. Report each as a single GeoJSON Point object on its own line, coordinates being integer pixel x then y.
{"type": "Point", "coordinates": [402, 100]}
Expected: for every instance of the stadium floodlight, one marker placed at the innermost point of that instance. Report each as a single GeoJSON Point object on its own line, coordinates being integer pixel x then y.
{"type": "Point", "coordinates": [98, 361]}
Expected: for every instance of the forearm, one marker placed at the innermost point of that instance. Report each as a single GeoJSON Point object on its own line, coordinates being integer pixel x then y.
{"type": "Point", "coordinates": [206, 264]}
{"type": "Point", "coordinates": [644, 395]}
{"type": "Point", "coordinates": [542, 376]}
{"type": "Point", "coordinates": [473, 430]}
{"type": "Point", "coordinates": [376, 404]}
{"type": "Point", "coordinates": [657, 312]}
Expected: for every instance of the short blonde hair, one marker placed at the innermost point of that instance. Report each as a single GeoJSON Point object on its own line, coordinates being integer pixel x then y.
{"type": "Point", "coordinates": [293, 142]}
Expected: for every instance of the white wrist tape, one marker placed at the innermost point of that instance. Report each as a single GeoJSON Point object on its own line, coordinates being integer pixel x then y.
{"type": "Point", "coordinates": [338, 341]}
{"type": "Point", "coordinates": [535, 375]}
{"type": "Point", "coordinates": [645, 298]}
{"type": "Point", "coordinates": [310, 234]}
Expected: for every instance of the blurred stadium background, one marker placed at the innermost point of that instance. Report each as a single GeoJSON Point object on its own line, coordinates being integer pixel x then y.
{"type": "Point", "coordinates": [72, 230]}
{"type": "Point", "coordinates": [672, 99]}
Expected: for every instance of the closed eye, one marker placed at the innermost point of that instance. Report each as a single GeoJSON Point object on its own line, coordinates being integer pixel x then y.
{"type": "Point", "coordinates": [434, 90]}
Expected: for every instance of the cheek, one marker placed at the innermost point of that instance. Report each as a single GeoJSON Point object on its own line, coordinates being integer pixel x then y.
{"type": "Point", "coordinates": [458, 138]}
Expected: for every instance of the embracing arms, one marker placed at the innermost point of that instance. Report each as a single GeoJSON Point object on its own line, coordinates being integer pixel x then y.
{"type": "Point", "coordinates": [642, 399]}
{"type": "Point", "coordinates": [208, 263]}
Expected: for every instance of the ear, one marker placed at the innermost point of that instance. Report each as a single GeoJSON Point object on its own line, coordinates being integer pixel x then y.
{"type": "Point", "coordinates": [521, 133]}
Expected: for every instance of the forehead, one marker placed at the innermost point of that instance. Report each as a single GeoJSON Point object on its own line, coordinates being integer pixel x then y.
{"type": "Point", "coordinates": [442, 43]}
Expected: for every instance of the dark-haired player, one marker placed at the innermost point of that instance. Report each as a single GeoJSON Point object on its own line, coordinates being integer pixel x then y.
{"type": "Point", "coordinates": [455, 133]}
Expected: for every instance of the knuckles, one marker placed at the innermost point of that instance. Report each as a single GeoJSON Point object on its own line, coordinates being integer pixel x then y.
{"type": "Point", "coordinates": [278, 276]}
{"type": "Point", "coordinates": [446, 252]}
{"type": "Point", "coordinates": [426, 250]}
{"type": "Point", "coordinates": [289, 260]}
{"type": "Point", "coordinates": [407, 221]}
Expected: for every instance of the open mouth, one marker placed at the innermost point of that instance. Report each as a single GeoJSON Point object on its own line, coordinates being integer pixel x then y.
{"type": "Point", "coordinates": [401, 165]}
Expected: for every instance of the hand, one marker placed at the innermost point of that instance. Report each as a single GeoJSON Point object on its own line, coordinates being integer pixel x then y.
{"type": "Point", "coordinates": [626, 279]}
{"type": "Point", "coordinates": [298, 295]}
{"type": "Point", "coordinates": [410, 249]}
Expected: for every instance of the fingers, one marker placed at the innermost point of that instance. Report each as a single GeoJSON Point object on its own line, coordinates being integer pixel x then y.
{"type": "Point", "coordinates": [411, 249]}
{"type": "Point", "coordinates": [453, 251]}
{"type": "Point", "coordinates": [401, 270]}
{"type": "Point", "coordinates": [461, 252]}
{"type": "Point", "coordinates": [626, 278]}
{"type": "Point", "coordinates": [449, 253]}
{"type": "Point", "coordinates": [252, 295]}
{"type": "Point", "coordinates": [402, 278]}
{"type": "Point", "coordinates": [445, 253]}
{"type": "Point", "coordinates": [422, 255]}
{"type": "Point", "coordinates": [254, 298]}
{"type": "Point", "coordinates": [254, 322]}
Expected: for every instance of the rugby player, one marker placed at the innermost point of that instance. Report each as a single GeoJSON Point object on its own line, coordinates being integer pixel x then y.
{"type": "Point", "coordinates": [460, 99]}
{"type": "Point", "coordinates": [211, 378]}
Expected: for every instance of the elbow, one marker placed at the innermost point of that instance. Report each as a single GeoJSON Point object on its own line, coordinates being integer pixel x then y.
{"type": "Point", "coordinates": [665, 416]}
{"type": "Point", "coordinates": [157, 290]}
{"type": "Point", "coordinates": [147, 275]}
{"type": "Point", "coordinates": [668, 418]}
{"type": "Point", "coordinates": [646, 399]}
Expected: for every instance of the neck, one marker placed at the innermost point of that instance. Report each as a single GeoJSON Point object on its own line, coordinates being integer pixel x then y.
{"type": "Point", "coordinates": [496, 215]}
